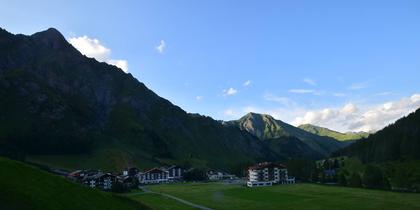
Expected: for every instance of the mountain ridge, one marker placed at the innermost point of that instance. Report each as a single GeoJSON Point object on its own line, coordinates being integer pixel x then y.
{"type": "Point", "coordinates": [265, 127]}
{"type": "Point", "coordinates": [60, 102]}
{"type": "Point", "coordinates": [322, 131]}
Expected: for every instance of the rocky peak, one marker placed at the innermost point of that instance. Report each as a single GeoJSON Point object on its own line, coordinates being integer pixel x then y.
{"type": "Point", "coordinates": [51, 38]}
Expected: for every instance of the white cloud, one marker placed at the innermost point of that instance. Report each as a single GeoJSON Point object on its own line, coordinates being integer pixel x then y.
{"type": "Point", "coordinates": [161, 47]}
{"type": "Point", "coordinates": [246, 83]}
{"type": "Point", "coordinates": [230, 92]}
{"type": "Point", "coordinates": [199, 98]}
{"type": "Point", "coordinates": [301, 91]}
{"type": "Point", "coordinates": [360, 118]}
{"type": "Point", "coordinates": [281, 100]}
{"type": "Point", "coordinates": [94, 49]}
{"type": "Point", "coordinates": [358, 86]}
{"type": "Point", "coordinates": [122, 64]}
{"type": "Point", "coordinates": [349, 109]}
{"type": "Point", "coordinates": [309, 81]}
{"type": "Point", "coordinates": [348, 117]}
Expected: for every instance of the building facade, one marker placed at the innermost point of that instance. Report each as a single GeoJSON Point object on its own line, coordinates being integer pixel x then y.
{"type": "Point", "coordinates": [100, 180]}
{"type": "Point", "coordinates": [174, 173]}
{"type": "Point", "coordinates": [267, 174]}
{"type": "Point", "coordinates": [153, 176]}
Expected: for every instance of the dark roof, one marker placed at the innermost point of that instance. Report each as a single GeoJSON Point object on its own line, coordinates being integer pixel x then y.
{"type": "Point", "coordinates": [167, 168]}
{"type": "Point", "coordinates": [173, 166]}
{"type": "Point", "coordinates": [94, 176]}
{"type": "Point", "coordinates": [155, 170]}
{"type": "Point", "coordinates": [263, 165]}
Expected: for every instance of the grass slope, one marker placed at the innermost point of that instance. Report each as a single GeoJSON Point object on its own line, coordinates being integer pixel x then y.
{"type": "Point", "coordinates": [298, 196]}
{"type": "Point", "coordinates": [320, 131]}
{"type": "Point", "coordinates": [29, 188]}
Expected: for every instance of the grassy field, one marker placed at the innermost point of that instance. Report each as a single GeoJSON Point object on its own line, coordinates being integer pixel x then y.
{"type": "Point", "coordinates": [298, 196]}
{"type": "Point", "coordinates": [26, 187]}
{"type": "Point", "coordinates": [159, 202]}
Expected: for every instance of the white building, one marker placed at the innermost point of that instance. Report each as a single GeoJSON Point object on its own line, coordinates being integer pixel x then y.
{"type": "Point", "coordinates": [267, 174]}
{"type": "Point", "coordinates": [174, 173]}
{"type": "Point", "coordinates": [153, 176]}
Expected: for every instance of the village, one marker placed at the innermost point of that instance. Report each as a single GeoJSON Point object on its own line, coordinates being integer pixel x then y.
{"type": "Point", "coordinates": [261, 174]}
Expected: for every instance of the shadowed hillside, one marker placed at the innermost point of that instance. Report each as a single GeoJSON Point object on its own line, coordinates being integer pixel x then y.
{"type": "Point", "coordinates": [266, 127]}
{"type": "Point", "coordinates": [397, 141]}
{"type": "Point", "coordinates": [27, 188]}
{"type": "Point", "coordinates": [58, 103]}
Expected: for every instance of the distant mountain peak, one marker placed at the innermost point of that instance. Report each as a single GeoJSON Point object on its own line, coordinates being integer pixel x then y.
{"type": "Point", "coordinates": [51, 38]}
{"type": "Point", "coordinates": [258, 116]}
{"type": "Point", "coordinates": [52, 31]}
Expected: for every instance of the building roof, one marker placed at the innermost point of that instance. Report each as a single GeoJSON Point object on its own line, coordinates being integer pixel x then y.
{"type": "Point", "coordinates": [263, 165]}
{"type": "Point", "coordinates": [155, 170]}
{"type": "Point", "coordinates": [167, 168]}
{"type": "Point", "coordinates": [93, 176]}
{"type": "Point", "coordinates": [75, 173]}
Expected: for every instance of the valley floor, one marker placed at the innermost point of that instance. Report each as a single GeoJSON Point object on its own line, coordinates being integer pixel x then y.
{"type": "Point", "coordinates": [297, 196]}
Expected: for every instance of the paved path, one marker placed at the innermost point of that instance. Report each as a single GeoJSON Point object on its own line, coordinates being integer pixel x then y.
{"type": "Point", "coordinates": [145, 190]}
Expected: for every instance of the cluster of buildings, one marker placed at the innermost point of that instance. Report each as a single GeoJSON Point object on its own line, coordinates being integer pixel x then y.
{"type": "Point", "coordinates": [261, 174]}
{"type": "Point", "coordinates": [161, 175]}
{"type": "Point", "coordinates": [129, 178]}
{"type": "Point", "coordinates": [220, 175]}
{"type": "Point", "coordinates": [267, 174]}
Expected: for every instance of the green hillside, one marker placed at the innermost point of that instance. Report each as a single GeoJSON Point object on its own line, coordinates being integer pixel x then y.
{"type": "Point", "coordinates": [266, 127]}
{"type": "Point", "coordinates": [321, 131]}
{"type": "Point", "coordinates": [394, 151]}
{"type": "Point", "coordinates": [27, 188]}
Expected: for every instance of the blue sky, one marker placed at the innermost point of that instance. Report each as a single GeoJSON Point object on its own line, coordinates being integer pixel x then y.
{"type": "Point", "coordinates": [347, 65]}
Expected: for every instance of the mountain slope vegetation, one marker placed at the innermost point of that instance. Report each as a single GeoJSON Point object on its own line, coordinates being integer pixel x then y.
{"type": "Point", "coordinates": [266, 127]}
{"type": "Point", "coordinates": [321, 131]}
{"type": "Point", "coordinates": [25, 187]}
{"type": "Point", "coordinates": [398, 141]}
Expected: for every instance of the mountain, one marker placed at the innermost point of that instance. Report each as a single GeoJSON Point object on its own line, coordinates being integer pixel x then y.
{"type": "Point", "coordinates": [292, 147]}
{"type": "Point", "coordinates": [29, 188]}
{"type": "Point", "coordinates": [64, 109]}
{"type": "Point", "coordinates": [398, 141]}
{"type": "Point", "coordinates": [321, 131]}
{"type": "Point", "coordinates": [266, 127]}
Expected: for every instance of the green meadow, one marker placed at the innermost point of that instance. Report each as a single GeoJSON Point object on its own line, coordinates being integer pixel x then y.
{"type": "Point", "coordinates": [160, 202]}
{"type": "Point", "coordinates": [297, 196]}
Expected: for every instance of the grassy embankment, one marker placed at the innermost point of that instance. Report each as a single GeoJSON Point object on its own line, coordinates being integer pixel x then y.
{"type": "Point", "coordinates": [26, 187]}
